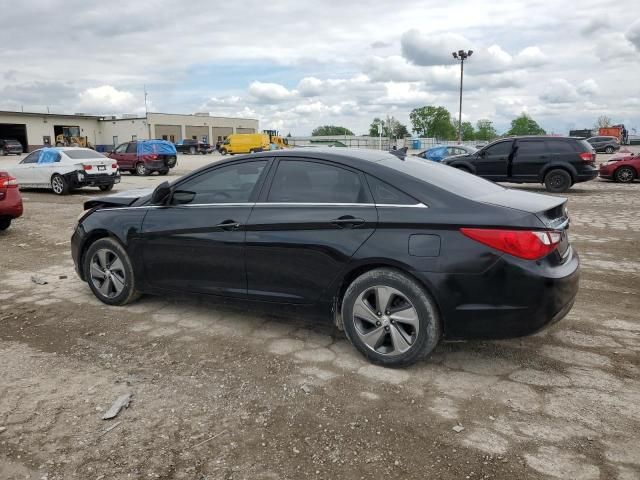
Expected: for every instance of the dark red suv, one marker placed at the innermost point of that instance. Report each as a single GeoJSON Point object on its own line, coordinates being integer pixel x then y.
{"type": "Point", "coordinates": [144, 157]}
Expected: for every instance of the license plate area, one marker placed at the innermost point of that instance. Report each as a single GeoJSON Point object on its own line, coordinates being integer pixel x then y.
{"type": "Point", "coordinates": [101, 167]}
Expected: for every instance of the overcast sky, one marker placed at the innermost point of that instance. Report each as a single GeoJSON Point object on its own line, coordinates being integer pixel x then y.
{"type": "Point", "coordinates": [298, 64]}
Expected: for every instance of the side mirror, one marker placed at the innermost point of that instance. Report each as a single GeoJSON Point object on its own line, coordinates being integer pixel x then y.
{"type": "Point", "coordinates": [161, 193]}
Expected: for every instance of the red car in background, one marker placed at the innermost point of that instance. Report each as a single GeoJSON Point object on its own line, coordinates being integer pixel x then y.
{"type": "Point", "coordinates": [10, 200]}
{"type": "Point", "coordinates": [621, 169]}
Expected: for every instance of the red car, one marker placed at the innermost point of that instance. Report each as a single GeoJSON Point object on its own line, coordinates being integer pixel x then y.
{"type": "Point", "coordinates": [624, 169]}
{"type": "Point", "coordinates": [10, 200]}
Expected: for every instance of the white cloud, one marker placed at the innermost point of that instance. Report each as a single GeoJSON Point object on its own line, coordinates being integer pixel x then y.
{"type": "Point", "coordinates": [108, 99]}
{"type": "Point", "coordinates": [270, 92]}
{"type": "Point", "coordinates": [427, 49]}
{"type": "Point", "coordinates": [559, 90]}
{"type": "Point", "coordinates": [588, 87]}
{"type": "Point", "coordinates": [633, 34]}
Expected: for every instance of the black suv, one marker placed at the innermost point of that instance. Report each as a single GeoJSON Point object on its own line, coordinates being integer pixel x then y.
{"type": "Point", "coordinates": [557, 162]}
{"type": "Point", "coordinates": [8, 146]}
{"type": "Point", "coordinates": [604, 144]}
{"type": "Point", "coordinates": [193, 146]}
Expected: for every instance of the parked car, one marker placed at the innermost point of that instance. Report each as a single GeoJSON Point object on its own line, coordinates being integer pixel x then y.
{"type": "Point", "coordinates": [10, 200]}
{"type": "Point", "coordinates": [192, 147]}
{"type": "Point", "coordinates": [557, 162]}
{"type": "Point", "coordinates": [622, 169]}
{"type": "Point", "coordinates": [143, 157]}
{"type": "Point", "coordinates": [604, 144]}
{"type": "Point", "coordinates": [64, 168]}
{"type": "Point", "coordinates": [10, 146]}
{"type": "Point", "coordinates": [401, 252]}
{"type": "Point", "coordinates": [245, 143]}
{"type": "Point", "coordinates": [437, 154]}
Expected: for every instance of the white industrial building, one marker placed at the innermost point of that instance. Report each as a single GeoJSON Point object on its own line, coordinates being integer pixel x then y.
{"type": "Point", "coordinates": [35, 130]}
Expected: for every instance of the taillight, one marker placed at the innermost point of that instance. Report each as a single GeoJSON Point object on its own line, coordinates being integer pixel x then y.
{"type": "Point", "coordinates": [87, 167]}
{"type": "Point", "coordinates": [527, 244]}
{"type": "Point", "coordinates": [153, 156]}
{"type": "Point", "coordinates": [7, 181]}
{"type": "Point", "coordinates": [588, 157]}
{"type": "Point", "coordinates": [114, 165]}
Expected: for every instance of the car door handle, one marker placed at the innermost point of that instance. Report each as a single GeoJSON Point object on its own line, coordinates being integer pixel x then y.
{"type": "Point", "coordinates": [228, 225]}
{"type": "Point", "coordinates": [347, 221]}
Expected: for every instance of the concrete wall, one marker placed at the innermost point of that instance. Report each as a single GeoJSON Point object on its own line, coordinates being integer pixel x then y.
{"type": "Point", "coordinates": [222, 132]}
{"type": "Point", "coordinates": [168, 130]}
{"type": "Point", "coordinates": [124, 129]}
{"type": "Point", "coordinates": [245, 130]}
{"type": "Point", "coordinates": [198, 132]}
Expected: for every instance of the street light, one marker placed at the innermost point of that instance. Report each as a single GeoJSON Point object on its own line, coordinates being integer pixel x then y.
{"type": "Point", "coordinates": [462, 56]}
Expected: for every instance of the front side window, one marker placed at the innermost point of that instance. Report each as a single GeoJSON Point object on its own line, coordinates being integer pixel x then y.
{"type": "Point", "coordinates": [502, 148]}
{"type": "Point", "coordinates": [132, 147]}
{"type": "Point", "coordinates": [32, 157]}
{"type": "Point", "coordinates": [228, 184]}
{"type": "Point", "coordinates": [121, 148]}
{"type": "Point", "coordinates": [298, 181]}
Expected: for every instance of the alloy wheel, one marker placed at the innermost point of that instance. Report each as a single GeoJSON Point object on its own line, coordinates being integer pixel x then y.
{"type": "Point", "coordinates": [57, 185]}
{"type": "Point", "coordinates": [385, 320]}
{"type": "Point", "coordinates": [624, 175]}
{"type": "Point", "coordinates": [107, 273]}
{"type": "Point", "coordinates": [141, 169]}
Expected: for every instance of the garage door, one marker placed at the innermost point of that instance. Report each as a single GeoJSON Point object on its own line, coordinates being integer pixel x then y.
{"type": "Point", "coordinates": [220, 133]}
{"type": "Point", "coordinates": [173, 133]}
{"type": "Point", "coordinates": [245, 130]}
{"type": "Point", "coordinates": [197, 132]}
{"type": "Point", "coordinates": [15, 131]}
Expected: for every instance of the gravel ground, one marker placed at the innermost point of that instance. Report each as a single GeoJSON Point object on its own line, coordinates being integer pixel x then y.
{"type": "Point", "coordinates": [223, 392]}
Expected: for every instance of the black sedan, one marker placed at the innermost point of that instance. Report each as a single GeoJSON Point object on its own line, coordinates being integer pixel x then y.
{"type": "Point", "coordinates": [401, 252]}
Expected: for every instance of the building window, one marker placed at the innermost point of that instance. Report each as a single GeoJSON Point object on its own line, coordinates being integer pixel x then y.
{"type": "Point", "coordinates": [164, 137]}
{"type": "Point", "coordinates": [172, 138]}
{"type": "Point", "coordinates": [134, 138]}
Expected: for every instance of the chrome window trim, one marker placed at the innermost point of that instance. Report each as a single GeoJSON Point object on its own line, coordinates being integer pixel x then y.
{"type": "Point", "coordinates": [273, 204]}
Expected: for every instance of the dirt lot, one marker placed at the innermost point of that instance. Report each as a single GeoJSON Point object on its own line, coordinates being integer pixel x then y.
{"type": "Point", "coordinates": [225, 393]}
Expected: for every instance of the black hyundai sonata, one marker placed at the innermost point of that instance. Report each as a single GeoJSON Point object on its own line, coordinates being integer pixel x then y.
{"type": "Point", "coordinates": [401, 252]}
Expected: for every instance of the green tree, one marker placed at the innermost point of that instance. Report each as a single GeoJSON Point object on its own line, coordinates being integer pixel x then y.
{"type": "Point", "coordinates": [485, 130]}
{"type": "Point", "coordinates": [374, 128]}
{"type": "Point", "coordinates": [468, 133]}
{"type": "Point", "coordinates": [525, 125]}
{"type": "Point", "coordinates": [430, 121]}
{"type": "Point", "coordinates": [391, 128]}
{"type": "Point", "coordinates": [330, 130]}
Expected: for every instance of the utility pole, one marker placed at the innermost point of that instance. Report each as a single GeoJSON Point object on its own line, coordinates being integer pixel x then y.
{"type": "Point", "coordinates": [146, 112]}
{"type": "Point", "coordinates": [462, 56]}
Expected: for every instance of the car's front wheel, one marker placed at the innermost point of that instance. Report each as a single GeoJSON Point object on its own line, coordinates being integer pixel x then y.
{"type": "Point", "coordinates": [108, 271]}
{"type": "Point", "coordinates": [557, 181]}
{"type": "Point", "coordinates": [3, 152]}
{"type": "Point", "coordinates": [106, 188]}
{"type": "Point", "coordinates": [390, 318]}
{"type": "Point", "coordinates": [223, 151]}
{"type": "Point", "coordinates": [5, 222]}
{"type": "Point", "coordinates": [59, 185]}
{"type": "Point", "coordinates": [609, 149]}
{"type": "Point", "coordinates": [624, 175]}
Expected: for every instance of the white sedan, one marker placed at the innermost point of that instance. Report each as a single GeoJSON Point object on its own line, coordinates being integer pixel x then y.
{"type": "Point", "coordinates": [63, 169]}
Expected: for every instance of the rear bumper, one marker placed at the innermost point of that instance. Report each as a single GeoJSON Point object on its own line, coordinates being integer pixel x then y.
{"type": "Point", "coordinates": [81, 179]}
{"type": "Point", "coordinates": [606, 171]}
{"type": "Point", "coordinates": [10, 203]}
{"type": "Point", "coordinates": [513, 298]}
{"type": "Point", "coordinates": [587, 174]}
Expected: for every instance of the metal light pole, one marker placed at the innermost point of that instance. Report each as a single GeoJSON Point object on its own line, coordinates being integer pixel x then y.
{"type": "Point", "coordinates": [462, 56]}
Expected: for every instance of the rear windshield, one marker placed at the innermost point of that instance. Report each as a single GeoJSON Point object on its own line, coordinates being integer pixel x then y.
{"type": "Point", "coordinates": [584, 146]}
{"type": "Point", "coordinates": [443, 176]}
{"type": "Point", "coordinates": [80, 154]}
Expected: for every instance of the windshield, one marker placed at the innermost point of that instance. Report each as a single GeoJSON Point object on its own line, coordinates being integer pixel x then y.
{"type": "Point", "coordinates": [448, 178]}
{"type": "Point", "coordinates": [82, 154]}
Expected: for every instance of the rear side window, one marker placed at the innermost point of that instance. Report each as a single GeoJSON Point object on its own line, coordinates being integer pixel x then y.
{"type": "Point", "coordinates": [584, 146]}
{"type": "Point", "coordinates": [32, 157]}
{"type": "Point", "coordinates": [132, 148]}
{"type": "Point", "coordinates": [298, 181]}
{"type": "Point", "coordinates": [502, 148]}
{"type": "Point", "coordinates": [80, 154]}
{"type": "Point", "coordinates": [531, 147]}
{"type": "Point", "coordinates": [563, 147]}
{"type": "Point", "coordinates": [385, 194]}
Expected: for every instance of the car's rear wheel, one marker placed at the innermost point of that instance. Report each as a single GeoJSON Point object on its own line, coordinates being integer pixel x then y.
{"type": "Point", "coordinates": [557, 181]}
{"type": "Point", "coordinates": [390, 318]}
{"type": "Point", "coordinates": [609, 149]}
{"type": "Point", "coordinates": [5, 222]}
{"type": "Point", "coordinates": [171, 162]}
{"type": "Point", "coordinates": [59, 185]}
{"type": "Point", "coordinates": [141, 169]}
{"type": "Point", "coordinates": [223, 151]}
{"type": "Point", "coordinates": [624, 175]}
{"type": "Point", "coordinates": [109, 273]}
{"type": "Point", "coordinates": [106, 188]}
{"type": "Point", "coordinates": [192, 150]}
{"type": "Point", "coordinates": [163, 172]}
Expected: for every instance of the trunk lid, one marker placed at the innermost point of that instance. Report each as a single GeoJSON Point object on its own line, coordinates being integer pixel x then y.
{"type": "Point", "coordinates": [97, 166]}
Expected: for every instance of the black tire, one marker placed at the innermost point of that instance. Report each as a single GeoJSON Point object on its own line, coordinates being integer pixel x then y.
{"type": "Point", "coordinates": [141, 169]}
{"type": "Point", "coordinates": [124, 275]}
{"type": "Point", "coordinates": [252, 151]}
{"type": "Point", "coordinates": [5, 222]}
{"type": "Point", "coordinates": [163, 172]}
{"type": "Point", "coordinates": [106, 188]}
{"type": "Point", "coordinates": [429, 330]}
{"type": "Point", "coordinates": [192, 150]}
{"type": "Point", "coordinates": [171, 162]}
{"type": "Point", "coordinates": [223, 151]}
{"type": "Point", "coordinates": [624, 175]}
{"type": "Point", "coordinates": [59, 185]}
{"type": "Point", "coordinates": [608, 149]}
{"type": "Point", "coordinates": [557, 181]}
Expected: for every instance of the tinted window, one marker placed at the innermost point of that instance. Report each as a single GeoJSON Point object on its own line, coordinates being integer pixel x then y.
{"type": "Point", "coordinates": [563, 147]}
{"type": "Point", "coordinates": [80, 154]}
{"type": "Point", "coordinates": [298, 181]}
{"type": "Point", "coordinates": [32, 157]}
{"type": "Point", "coordinates": [132, 147]}
{"type": "Point", "coordinates": [502, 148]}
{"type": "Point", "coordinates": [531, 147]}
{"type": "Point", "coordinates": [229, 184]}
{"type": "Point", "coordinates": [121, 148]}
{"type": "Point", "coordinates": [385, 194]}
{"type": "Point", "coordinates": [443, 176]}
